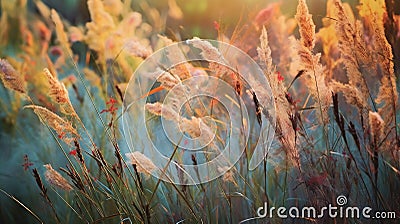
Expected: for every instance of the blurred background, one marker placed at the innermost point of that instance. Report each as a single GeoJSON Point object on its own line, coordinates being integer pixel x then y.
{"type": "Point", "coordinates": [197, 16]}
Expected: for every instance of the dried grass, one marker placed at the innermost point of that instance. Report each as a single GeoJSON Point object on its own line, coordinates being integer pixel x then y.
{"type": "Point", "coordinates": [63, 128]}
{"type": "Point", "coordinates": [59, 94]}
{"type": "Point", "coordinates": [142, 163]}
{"type": "Point", "coordinates": [11, 78]}
{"type": "Point", "coordinates": [55, 178]}
{"type": "Point", "coordinates": [377, 125]}
{"type": "Point", "coordinates": [61, 34]}
{"type": "Point", "coordinates": [314, 70]}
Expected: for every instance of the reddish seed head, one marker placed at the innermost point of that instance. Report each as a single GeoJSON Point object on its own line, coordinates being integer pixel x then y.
{"type": "Point", "coordinates": [266, 14]}
{"type": "Point", "coordinates": [56, 51]}
{"type": "Point", "coordinates": [112, 108]}
{"type": "Point", "coordinates": [111, 101]}
{"type": "Point", "coordinates": [60, 136]}
{"type": "Point", "coordinates": [72, 152]}
{"type": "Point", "coordinates": [216, 25]}
{"type": "Point", "coordinates": [26, 163]}
{"type": "Point", "coordinates": [280, 77]}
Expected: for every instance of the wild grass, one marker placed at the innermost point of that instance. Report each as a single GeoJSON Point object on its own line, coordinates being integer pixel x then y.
{"type": "Point", "coordinates": [334, 87]}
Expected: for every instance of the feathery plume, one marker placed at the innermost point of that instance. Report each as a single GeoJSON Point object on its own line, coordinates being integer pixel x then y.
{"type": "Point", "coordinates": [61, 34]}
{"type": "Point", "coordinates": [306, 25]}
{"type": "Point", "coordinates": [284, 130]}
{"type": "Point", "coordinates": [59, 93]}
{"type": "Point", "coordinates": [279, 29]}
{"type": "Point", "coordinates": [352, 94]}
{"type": "Point", "coordinates": [142, 163]}
{"type": "Point", "coordinates": [176, 57]}
{"type": "Point", "coordinates": [11, 78]}
{"type": "Point", "coordinates": [55, 178]}
{"type": "Point", "coordinates": [208, 51]}
{"type": "Point", "coordinates": [352, 47]}
{"type": "Point", "coordinates": [99, 28]}
{"type": "Point", "coordinates": [186, 70]}
{"type": "Point", "coordinates": [264, 51]}
{"type": "Point", "coordinates": [160, 109]}
{"type": "Point", "coordinates": [64, 129]}
{"type": "Point", "coordinates": [307, 35]}
{"type": "Point", "coordinates": [228, 174]}
{"type": "Point", "coordinates": [192, 126]}
{"type": "Point", "coordinates": [315, 74]}
{"type": "Point", "coordinates": [135, 48]}
{"type": "Point", "coordinates": [168, 80]}
{"type": "Point", "coordinates": [374, 13]}
{"type": "Point", "coordinates": [376, 125]}
{"type": "Point", "coordinates": [388, 96]}
{"type": "Point", "coordinates": [211, 53]}
{"type": "Point", "coordinates": [197, 128]}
